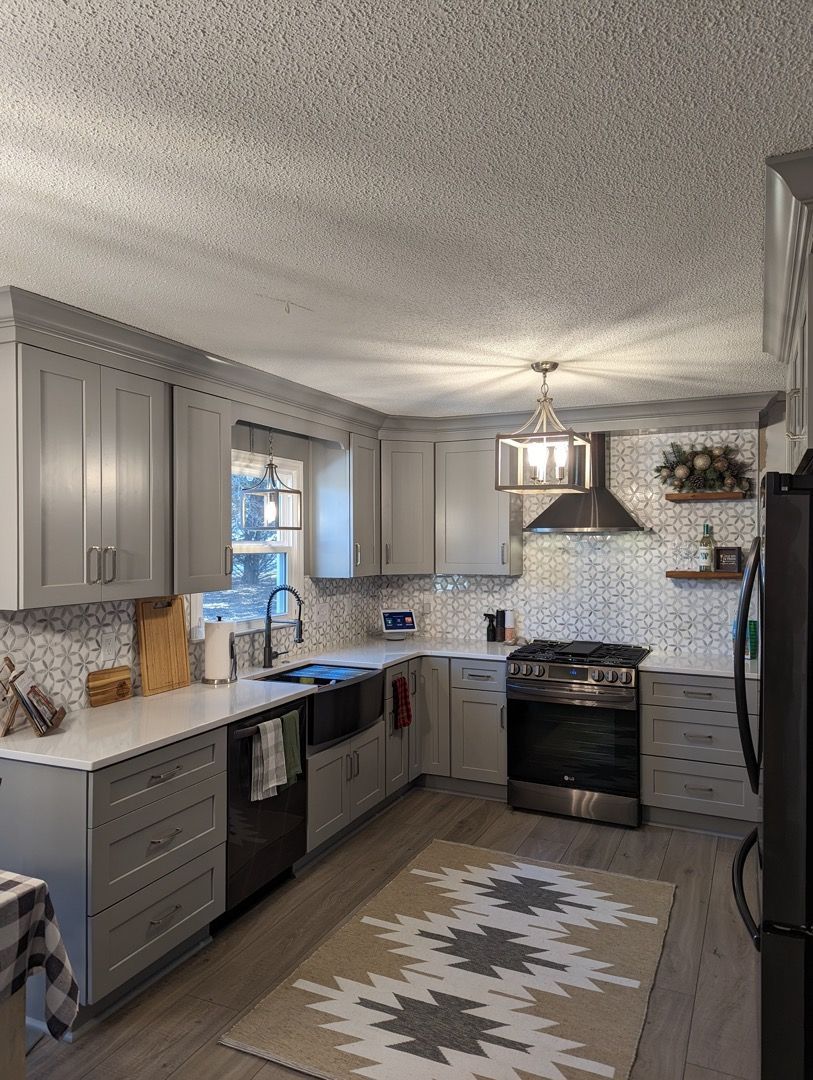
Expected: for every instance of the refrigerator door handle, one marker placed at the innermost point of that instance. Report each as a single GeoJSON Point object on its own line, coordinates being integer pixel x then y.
{"type": "Point", "coordinates": [743, 721]}
{"type": "Point", "coordinates": [737, 873]}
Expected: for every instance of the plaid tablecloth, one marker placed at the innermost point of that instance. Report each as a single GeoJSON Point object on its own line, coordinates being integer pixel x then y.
{"type": "Point", "coordinates": [30, 942]}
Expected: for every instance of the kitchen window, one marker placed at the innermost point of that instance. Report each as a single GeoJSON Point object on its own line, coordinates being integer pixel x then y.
{"type": "Point", "coordinates": [263, 559]}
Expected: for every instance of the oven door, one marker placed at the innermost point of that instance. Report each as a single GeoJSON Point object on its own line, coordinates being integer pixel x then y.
{"type": "Point", "coordinates": [574, 736]}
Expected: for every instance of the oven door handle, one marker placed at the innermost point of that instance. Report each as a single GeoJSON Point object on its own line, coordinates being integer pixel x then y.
{"type": "Point", "coordinates": [622, 699]}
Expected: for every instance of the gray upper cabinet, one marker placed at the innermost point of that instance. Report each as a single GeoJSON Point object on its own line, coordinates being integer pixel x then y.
{"type": "Point", "coordinates": [408, 507]}
{"type": "Point", "coordinates": [799, 436]}
{"type": "Point", "coordinates": [202, 446]}
{"type": "Point", "coordinates": [345, 509]}
{"type": "Point", "coordinates": [94, 482]}
{"type": "Point", "coordinates": [136, 518]}
{"type": "Point", "coordinates": [478, 530]}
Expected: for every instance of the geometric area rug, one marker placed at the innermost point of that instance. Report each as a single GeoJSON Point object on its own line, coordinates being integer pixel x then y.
{"type": "Point", "coordinates": [473, 964]}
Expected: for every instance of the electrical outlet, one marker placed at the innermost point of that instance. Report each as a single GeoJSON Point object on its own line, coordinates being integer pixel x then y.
{"type": "Point", "coordinates": [109, 645]}
{"type": "Point", "coordinates": [321, 613]}
{"type": "Point", "coordinates": [426, 607]}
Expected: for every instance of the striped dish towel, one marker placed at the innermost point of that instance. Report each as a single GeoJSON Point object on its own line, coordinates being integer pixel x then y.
{"type": "Point", "coordinates": [401, 702]}
{"type": "Point", "coordinates": [267, 760]}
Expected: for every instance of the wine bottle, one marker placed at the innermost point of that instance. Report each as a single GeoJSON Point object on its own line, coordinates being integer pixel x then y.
{"type": "Point", "coordinates": [705, 553]}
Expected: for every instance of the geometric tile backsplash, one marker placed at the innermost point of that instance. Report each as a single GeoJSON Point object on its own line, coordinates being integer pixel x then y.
{"type": "Point", "coordinates": [610, 588]}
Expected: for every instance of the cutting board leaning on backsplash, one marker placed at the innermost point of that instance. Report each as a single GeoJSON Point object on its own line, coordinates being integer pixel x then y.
{"type": "Point", "coordinates": [162, 644]}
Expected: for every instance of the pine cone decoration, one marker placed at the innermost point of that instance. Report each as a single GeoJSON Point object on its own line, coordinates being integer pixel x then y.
{"type": "Point", "coordinates": [696, 482]}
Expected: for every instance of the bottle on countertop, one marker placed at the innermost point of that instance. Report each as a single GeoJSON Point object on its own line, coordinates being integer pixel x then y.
{"type": "Point", "coordinates": [510, 628]}
{"type": "Point", "coordinates": [705, 553]}
{"type": "Point", "coordinates": [491, 629]}
{"type": "Point", "coordinates": [500, 624]}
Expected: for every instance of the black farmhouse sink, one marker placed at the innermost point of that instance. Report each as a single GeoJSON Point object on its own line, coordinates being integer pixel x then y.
{"type": "Point", "coordinates": [348, 699]}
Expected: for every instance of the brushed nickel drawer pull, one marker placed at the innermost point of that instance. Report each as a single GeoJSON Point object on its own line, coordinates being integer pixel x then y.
{"type": "Point", "coordinates": [97, 578]}
{"type": "Point", "coordinates": [357, 547]}
{"type": "Point", "coordinates": [693, 737]}
{"type": "Point", "coordinates": [358, 762]}
{"type": "Point", "coordinates": [164, 918]}
{"type": "Point", "coordinates": [348, 774]}
{"type": "Point", "coordinates": [159, 841]}
{"type": "Point", "coordinates": [698, 693]}
{"type": "Point", "coordinates": [474, 675]}
{"type": "Point", "coordinates": [502, 717]}
{"type": "Point", "coordinates": [161, 777]}
{"type": "Point", "coordinates": [696, 787]}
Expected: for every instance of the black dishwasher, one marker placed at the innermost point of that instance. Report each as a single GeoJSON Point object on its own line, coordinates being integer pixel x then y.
{"type": "Point", "coordinates": [265, 838]}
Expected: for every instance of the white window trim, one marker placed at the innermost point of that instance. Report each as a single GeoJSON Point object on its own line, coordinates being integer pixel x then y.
{"type": "Point", "coordinates": [292, 472]}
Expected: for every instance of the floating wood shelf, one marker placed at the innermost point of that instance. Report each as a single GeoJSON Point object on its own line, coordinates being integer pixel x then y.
{"type": "Point", "coordinates": [704, 496]}
{"type": "Point", "coordinates": [704, 575]}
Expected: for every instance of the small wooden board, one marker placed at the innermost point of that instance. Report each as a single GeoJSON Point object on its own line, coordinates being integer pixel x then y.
{"type": "Point", "coordinates": [704, 496]}
{"type": "Point", "coordinates": [109, 685]}
{"type": "Point", "coordinates": [162, 644]}
{"type": "Point", "coordinates": [704, 575]}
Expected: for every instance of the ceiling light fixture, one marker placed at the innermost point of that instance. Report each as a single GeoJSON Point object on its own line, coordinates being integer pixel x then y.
{"type": "Point", "coordinates": [269, 503]}
{"type": "Point", "coordinates": [543, 455]}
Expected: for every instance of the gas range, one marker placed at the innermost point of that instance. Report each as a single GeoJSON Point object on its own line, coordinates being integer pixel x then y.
{"type": "Point", "coordinates": [593, 662]}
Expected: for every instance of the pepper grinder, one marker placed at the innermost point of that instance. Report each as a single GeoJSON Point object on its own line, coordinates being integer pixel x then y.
{"type": "Point", "coordinates": [500, 624]}
{"type": "Point", "coordinates": [491, 629]}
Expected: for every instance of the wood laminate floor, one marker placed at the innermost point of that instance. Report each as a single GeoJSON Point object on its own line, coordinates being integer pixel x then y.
{"type": "Point", "coordinates": [703, 1015]}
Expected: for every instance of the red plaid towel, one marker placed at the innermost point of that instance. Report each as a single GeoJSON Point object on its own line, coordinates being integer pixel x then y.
{"type": "Point", "coordinates": [403, 706]}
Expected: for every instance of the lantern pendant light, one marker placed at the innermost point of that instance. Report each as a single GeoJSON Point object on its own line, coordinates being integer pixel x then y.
{"type": "Point", "coordinates": [269, 503]}
{"type": "Point", "coordinates": [543, 455]}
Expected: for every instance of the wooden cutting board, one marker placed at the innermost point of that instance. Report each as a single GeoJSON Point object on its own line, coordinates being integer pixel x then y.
{"type": "Point", "coordinates": [110, 684]}
{"type": "Point", "coordinates": [162, 644]}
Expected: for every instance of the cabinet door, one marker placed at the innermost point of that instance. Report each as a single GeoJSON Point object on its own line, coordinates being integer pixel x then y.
{"type": "Point", "coordinates": [478, 736]}
{"type": "Point", "coordinates": [408, 507]}
{"type": "Point", "coordinates": [368, 786]}
{"type": "Point", "coordinates": [433, 708]}
{"type": "Point", "coordinates": [416, 727]}
{"type": "Point", "coordinates": [328, 793]}
{"type": "Point", "coordinates": [397, 752]}
{"type": "Point", "coordinates": [202, 437]}
{"type": "Point", "coordinates": [136, 520]}
{"type": "Point", "coordinates": [475, 525]}
{"type": "Point", "coordinates": [365, 506]}
{"type": "Point", "coordinates": [60, 498]}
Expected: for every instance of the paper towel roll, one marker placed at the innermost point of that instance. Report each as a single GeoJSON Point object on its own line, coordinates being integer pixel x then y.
{"type": "Point", "coordinates": [218, 653]}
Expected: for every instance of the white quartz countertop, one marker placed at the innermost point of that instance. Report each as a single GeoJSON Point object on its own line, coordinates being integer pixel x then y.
{"type": "Point", "coordinates": [90, 739]}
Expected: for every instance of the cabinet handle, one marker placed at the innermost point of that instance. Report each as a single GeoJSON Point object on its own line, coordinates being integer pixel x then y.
{"type": "Point", "coordinates": [114, 571]}
{"type": "Point", "coordinates": [474, 675]}
{"type": "Point", "coordinates": [97, 579]}
{"type": "Point", "coordinates": [793, 437]}
{"type": "Point", "coordinates": [159, 841]}
{"type": "Point", "coordinates": [693, 737]}
{"type": "Point", "coordinates": [357, 547]}
{"type": "Point", "coordinates": [503, 553]}
{"type": "Point", "coordinates": [413, 679]}
{"type": "Point", "coordinates": [696, 787]}
{"type": "Point", "coordinates": [229, 559]}
{"type": "Point", "coordinates": [794, 396]}
{"type": "Point", "coordinates": [386, 553]}
{"type": "Point", "coordinates": [168, 915]}
{"type": "Point", "coordinates": [358, 762]}
{"type": "Point", "coordinates": [162, 777]}
{"type": "Point", "coordinates": [348, 772]}
{"type": "Point", "coordinates": [502, 717]}
{"type": "Point", "coordinates": [698, 693]}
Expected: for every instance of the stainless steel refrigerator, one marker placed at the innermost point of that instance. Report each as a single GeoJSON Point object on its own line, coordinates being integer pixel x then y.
{"type": "Point", "coordinates": [779, 760]}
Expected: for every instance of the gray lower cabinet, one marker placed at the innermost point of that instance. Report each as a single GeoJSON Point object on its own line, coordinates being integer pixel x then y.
{"type": "Point", "coordinates": [94, 486]}
{"type": "Point", "coordinates": [433, 709]}
{"type": "Point", "coordinates": [698, 787]}
{"type": "Point", "coordinates": [403, 756]}
{"type": "Point", "coordinates": [134, 854]}
{"type": "Point", "coordinates": [202, 460]}
{"type": "Point", "coordinates": [478, 740]}
{"type": "Point", "coordinates": [464, 495]}
{"type": "Point", "coordinates": [344, 781]}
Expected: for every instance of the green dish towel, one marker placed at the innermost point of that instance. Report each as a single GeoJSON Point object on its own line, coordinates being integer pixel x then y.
{"type": "Point", "coordinates": [290, 743]}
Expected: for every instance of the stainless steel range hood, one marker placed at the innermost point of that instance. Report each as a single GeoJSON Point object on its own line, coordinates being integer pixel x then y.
{"type": "Point", "coordinates": [596, 511]}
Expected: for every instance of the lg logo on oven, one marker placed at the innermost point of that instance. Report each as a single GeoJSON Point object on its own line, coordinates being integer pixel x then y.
{"type": "Point", "coordinates": [568, 779]}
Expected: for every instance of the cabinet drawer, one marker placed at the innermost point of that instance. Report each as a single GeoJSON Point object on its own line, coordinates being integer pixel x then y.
{"type": "Point", "coordinates": [697, 787]}
{"type": "Point", "coordinates": [479, 675]}
{"type": "Point", "coordinates": [692, 734]}
{"type": "Point", "coordinates": [129, 852]}
{"type": "Point", "coordinates": [131, 935]}
{"type": "Point", "coordinates": [129, 785]}
{"type": "Point", "coordinates": [695, 692]}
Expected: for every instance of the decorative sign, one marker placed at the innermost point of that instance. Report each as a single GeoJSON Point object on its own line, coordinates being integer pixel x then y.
{"type": "Point", "coordinates": [728, 559]}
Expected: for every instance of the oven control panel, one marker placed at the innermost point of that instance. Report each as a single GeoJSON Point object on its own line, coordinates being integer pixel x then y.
{"type": "Point", "coordinates": [604, 676]}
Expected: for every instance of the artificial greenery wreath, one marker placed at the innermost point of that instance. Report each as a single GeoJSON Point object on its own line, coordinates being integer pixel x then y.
{"type": "Point", "coordinates": [703, 468]}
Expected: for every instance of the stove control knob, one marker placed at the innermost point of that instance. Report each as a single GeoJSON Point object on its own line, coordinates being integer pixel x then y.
{"type": "Point", "coordinates": [611, 676]}
{"type": "Point", "coordinates": [596, 675]}
{"type": "Point", "coordinates": [626, 677]}
{"type": "Point", "coordinates": [527, 669]}
{"type": "Point", "coordinates": [513, 669]}
{"type": "Point", "coordinates": [539, 671]}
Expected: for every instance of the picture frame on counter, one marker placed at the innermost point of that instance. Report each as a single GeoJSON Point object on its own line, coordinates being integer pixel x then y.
{"type": "Point", "coordinates": [728, 559]}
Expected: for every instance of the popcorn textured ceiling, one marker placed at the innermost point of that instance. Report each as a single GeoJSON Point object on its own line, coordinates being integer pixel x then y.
{"type": "Point", "coordinates": [404, 203]}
